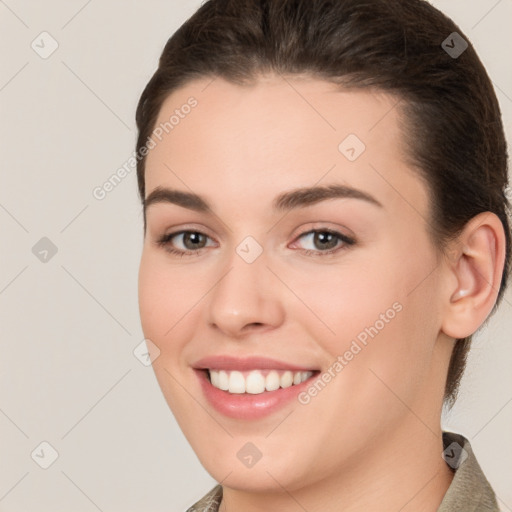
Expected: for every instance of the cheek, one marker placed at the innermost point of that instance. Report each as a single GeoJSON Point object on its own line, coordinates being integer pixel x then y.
{"type": "Point", "coordinates": [339, 303]}
{"type": "Point", "coordinates": [162, 298]}
{"type": "Point", "coordinates": [163, 291]}
{"type": "Point", "coordinates": [151, 292]}
{"type": "Point", "coordinates": [163, 304]}
{"type": "Point", "coordinates": [170, 305]}
{"type": "Point", "coordinates": [379, 314]}
{"type": "Point", "coordinates": [381, 345]}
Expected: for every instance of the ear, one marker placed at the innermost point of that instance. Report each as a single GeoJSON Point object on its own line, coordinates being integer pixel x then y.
{"type": "Point", "coordinates": [474, 270]}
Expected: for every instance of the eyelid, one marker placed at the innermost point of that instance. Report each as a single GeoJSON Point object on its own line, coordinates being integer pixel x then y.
{"type": "Point", "coordinates": [180, 228]}
{"type": "Point", "coordinates": [177, 234]}
{"type": "Point", "coordinates": [346, 240]}
{"type": "Point", "coordinates": [327, 226]}
{"type": "Point", "coordinates": [165, 239]}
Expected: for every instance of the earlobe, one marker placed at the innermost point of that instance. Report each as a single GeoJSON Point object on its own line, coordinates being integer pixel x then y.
{"type": "Point", "coordinates": [477, 267]}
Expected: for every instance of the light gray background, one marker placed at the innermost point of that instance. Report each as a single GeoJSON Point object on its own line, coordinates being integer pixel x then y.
{"type": "Point", "coordinates": [69, 325]}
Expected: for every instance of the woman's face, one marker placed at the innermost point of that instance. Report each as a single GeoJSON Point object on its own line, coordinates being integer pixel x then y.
{"type": "Point", "coordinates": [344, 281]}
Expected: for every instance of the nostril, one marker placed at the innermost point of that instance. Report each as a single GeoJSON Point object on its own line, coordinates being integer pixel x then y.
{"type": "Point", "coordinates": [254, 324]}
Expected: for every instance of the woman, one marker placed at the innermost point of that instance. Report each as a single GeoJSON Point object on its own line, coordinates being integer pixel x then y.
{"type": "Point", "coordinates": [325, 227]}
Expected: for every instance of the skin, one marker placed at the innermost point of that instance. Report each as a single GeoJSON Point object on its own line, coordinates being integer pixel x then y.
{"type": "Point", "coordinates": [371, 439]}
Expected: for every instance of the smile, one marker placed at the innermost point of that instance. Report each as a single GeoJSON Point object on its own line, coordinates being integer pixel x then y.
{"type": "Point", "coordinates": [255, 381]}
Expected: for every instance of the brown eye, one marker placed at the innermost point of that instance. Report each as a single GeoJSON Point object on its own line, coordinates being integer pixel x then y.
{"type": "Point", "coordinates": [194, 240]}
{"type": "Point", "coordinates": [184, 242]}
{"type": "Point", "coordinates": [324, 241]}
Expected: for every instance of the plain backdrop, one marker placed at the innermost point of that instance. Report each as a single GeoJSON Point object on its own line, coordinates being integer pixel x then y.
{"type": "Point", "coordinates": [68, 274]}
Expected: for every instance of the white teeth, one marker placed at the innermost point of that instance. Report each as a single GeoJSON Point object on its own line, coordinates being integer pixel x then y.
{"type": "Point", "coordinates": [286, 379]}
{"type": "Point", "coordinates": [272, 381]}
{"type": "Point", "coordinates": [255, 382]}
{"type": "Point", "coordinates": [223, 380]}
{"type": "Point", "coordinates": [214, 377]}
{"type": "Point", "coordinates": [236, 383]}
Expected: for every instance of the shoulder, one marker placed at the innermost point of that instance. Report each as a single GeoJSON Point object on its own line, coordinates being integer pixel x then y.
{"type": "Point", "coordinates": [210, 502]}
{"type": "Point", "coordinates": [469, 491]}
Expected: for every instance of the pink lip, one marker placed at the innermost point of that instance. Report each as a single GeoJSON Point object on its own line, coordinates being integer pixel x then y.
{"type": "Point", "coordinates": [225, 362]}
{"type": "Point", "coordinates": [247, 406]}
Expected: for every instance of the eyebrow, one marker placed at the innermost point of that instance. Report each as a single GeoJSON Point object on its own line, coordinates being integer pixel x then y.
{"type": "Point", "coordinates": [286, 201]}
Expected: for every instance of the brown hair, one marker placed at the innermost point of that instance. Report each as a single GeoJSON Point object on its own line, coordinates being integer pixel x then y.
{"type": "Point", "coordinates": [454, 133]}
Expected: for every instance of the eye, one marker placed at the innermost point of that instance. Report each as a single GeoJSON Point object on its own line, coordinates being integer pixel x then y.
{"type": "Point", "coordinates": [325, 241]}
{"type": "Point", "coordinates": [188, 242]}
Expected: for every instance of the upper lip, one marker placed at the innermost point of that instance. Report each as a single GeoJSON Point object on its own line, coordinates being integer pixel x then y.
{"type": "Point", "coordinates": [225, 362]}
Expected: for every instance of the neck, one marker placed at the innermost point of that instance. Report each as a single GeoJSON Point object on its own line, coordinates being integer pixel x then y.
{"type": "Point", "coordinates": [402, 470]}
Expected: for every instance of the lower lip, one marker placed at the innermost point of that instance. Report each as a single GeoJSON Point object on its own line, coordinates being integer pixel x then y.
{"type": "Point", "coordinates": [247, 406]}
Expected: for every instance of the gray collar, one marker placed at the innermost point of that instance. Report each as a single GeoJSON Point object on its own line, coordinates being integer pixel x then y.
{"type": "Point", "coordinates": [469, 491]}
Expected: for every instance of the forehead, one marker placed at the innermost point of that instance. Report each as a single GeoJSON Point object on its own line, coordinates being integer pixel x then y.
{"type": "Point", "coordinates": [280, 132]}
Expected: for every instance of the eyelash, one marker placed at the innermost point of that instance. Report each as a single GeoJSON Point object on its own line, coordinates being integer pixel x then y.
{"type": "Point", "coordinates": [165, 240]}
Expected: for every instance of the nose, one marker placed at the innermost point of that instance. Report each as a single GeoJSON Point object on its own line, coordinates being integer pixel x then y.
{"type": "Point", "coordinates": [246, 298]}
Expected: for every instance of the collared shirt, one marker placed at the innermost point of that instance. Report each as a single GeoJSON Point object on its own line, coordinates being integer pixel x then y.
{"type": "Point", "coordinates": [469, 491]}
